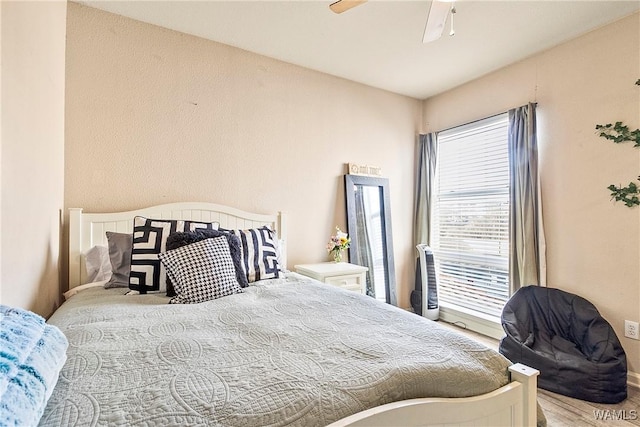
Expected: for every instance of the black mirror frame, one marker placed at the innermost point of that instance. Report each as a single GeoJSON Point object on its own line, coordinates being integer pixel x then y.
{"type": "Point", "coordinates": [383, 184]}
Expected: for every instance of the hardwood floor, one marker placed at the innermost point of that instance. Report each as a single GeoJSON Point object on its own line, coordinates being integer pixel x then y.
{"type": "Point", "coordinates": [563, 411]}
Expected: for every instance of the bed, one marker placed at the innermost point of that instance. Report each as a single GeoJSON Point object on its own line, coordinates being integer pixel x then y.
{"type": "Point", "coordinates": [287, 350]}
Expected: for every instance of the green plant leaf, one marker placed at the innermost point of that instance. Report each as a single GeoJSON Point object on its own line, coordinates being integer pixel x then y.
{"type": "Point", "coordinates": [618, 133]}
{"type": "Point", "coordinates": [627, 195]}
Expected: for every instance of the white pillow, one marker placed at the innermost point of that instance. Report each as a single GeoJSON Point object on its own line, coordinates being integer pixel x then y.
{"type": "Point", "coordinates": [71, 292]}
{"type": "Point", "coordinates": [98, 264]}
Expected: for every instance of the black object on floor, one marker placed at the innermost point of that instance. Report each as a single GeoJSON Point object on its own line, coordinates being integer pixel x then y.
{"type": "Point", "coordinates": [564, 337]}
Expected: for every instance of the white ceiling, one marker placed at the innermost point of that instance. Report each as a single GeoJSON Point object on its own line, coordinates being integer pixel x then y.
{"type": "Point", "coordinates": [379, 43]}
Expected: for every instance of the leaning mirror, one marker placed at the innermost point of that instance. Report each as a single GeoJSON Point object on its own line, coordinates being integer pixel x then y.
{"type": "Point", "coordinates": [369, 222]}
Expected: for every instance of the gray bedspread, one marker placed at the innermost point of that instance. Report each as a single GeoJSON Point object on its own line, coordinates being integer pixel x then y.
{"type": "Point", "coordinates": [288, 351]}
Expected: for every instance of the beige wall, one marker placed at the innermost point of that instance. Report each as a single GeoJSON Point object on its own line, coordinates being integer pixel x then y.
{"type": "Point", "coordinates": [1, 133]}
{"type": "Point", "coordinates": [593, 245]}
{"type": "Point", "coordinates": [155, 116]}
{"type": "Point", "coordinates": [32, 150]}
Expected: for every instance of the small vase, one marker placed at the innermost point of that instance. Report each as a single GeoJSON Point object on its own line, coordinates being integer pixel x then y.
{"type": "Point", "coordinates": [337, 256]}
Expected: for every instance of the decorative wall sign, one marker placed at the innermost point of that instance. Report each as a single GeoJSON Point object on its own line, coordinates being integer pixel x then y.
{"type": "Point", "coordinates": [368, 170]}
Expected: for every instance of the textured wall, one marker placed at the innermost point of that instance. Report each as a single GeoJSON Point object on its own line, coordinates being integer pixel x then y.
{"type": "Point", "coordinates": [593, 245]}
{"type": "Point", "coordinates": [156, 116]}
{"type": "Point", "coordinates": [33, 76]}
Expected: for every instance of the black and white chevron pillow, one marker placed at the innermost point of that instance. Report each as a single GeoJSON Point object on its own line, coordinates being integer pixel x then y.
{"type": "Point", "coordinates": [201, 271]}
{"type": "Point", "coordinates": [149, 239]}
{"type": "Point", "coordinates": [259, 253]}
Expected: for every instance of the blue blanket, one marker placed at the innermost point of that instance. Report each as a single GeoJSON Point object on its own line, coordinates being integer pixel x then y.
{"type": "Point", "coordinates": [32, 354]}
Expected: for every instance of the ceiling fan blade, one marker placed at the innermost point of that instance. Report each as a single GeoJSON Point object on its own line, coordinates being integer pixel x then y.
{"type": "Point", "coordinates": [436, 20]}
{"type": "Point", "coordinates": [344, 5]}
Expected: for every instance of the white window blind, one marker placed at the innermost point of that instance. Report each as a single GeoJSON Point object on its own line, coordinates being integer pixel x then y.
{"type": "Point", "coordinates": [471, 216]}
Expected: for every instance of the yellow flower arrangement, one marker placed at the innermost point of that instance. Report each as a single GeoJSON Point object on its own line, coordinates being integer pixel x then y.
{"type": "Point", "coordinates": [338, 243]}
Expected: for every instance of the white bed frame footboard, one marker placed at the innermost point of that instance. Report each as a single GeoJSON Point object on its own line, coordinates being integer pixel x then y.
{"type": "Point", "coordinates": [88, 229]}
{"type": "Point", "coordinates": [512, 405]}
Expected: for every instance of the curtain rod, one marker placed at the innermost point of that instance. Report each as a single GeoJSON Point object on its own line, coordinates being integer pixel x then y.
{"type": "Point", "coordinates": [484, 118]}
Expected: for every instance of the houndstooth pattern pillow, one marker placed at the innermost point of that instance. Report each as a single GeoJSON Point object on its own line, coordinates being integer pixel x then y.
{"type": "Point", "coordinates": [201, 271]}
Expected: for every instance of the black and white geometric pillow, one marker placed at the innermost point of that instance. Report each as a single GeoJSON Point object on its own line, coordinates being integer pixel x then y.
{"type": "Point", "coordinates": [201, 271]}
{"type": "Point", "coordinates": [259, 253]}
{"type": "Point", "coordinates": [149, 239]}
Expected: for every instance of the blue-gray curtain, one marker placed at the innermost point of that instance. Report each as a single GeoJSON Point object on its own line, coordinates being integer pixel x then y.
{"type": "Point", "coordinates": [427, 156]}
{"type": "Point", "coordinates": [527, 255]}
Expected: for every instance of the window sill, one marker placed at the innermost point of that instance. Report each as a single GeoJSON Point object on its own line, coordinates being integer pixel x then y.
{"type": "Point", "coordinates": [482, 324]}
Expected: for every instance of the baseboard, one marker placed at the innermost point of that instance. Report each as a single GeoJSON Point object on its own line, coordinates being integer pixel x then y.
{"type": "Point", "coordinates": [489, 327]}
{"type": "Point", "coordinates": [633, 379]}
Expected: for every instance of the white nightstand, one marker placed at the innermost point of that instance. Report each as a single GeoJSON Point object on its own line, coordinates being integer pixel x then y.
{"type": "Point", "coordinates": [347, 276]}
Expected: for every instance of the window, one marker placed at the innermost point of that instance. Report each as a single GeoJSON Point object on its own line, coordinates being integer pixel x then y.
{"type": "Point", "coordinates": [471, 216]}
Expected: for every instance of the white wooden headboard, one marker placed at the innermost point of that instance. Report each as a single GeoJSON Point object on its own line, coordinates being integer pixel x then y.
{"type": "Point", "coordinates": [89, 229]}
